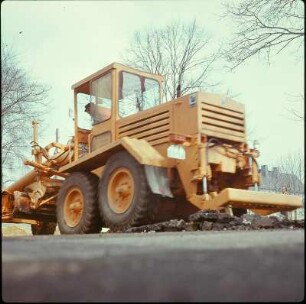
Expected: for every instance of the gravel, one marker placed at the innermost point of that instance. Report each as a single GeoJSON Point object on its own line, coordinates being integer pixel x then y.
{"type": "Point", "coordinates": [209, 220]}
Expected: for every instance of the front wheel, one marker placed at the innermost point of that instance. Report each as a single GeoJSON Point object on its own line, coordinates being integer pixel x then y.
{"type": "Point", "coordinates": [125, 198]}
{"type": "Point", "coordinates": [77, 207]}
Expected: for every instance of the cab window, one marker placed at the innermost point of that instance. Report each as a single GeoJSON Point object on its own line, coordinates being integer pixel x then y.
{"type": "Point", "coordinates": [137, 93]}
{"type": "Point", "coordinates": [96, 107]}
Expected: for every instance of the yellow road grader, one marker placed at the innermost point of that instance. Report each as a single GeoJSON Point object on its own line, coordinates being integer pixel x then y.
{"type": "Point", "coordinates": [134, 160]}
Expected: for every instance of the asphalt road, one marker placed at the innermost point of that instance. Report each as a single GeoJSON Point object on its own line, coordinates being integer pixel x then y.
{"type": "Point", "coordinates": [220, 266]}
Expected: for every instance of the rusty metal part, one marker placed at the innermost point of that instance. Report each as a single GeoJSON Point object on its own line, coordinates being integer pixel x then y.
{"type": "Point", "coordinates": [21, 183]}
{"type": "Point", "coordinates": [35, 191]}
{"type": "Point", "coordinates": [61, 159]}
{"type": "Point", "coordinates": [12, 219]}
{"type": "Point", "coordinates": [44, 169]}
{"type": "Point", "coordinates": [49, 201]}
{"type": "Point", "coordinates": [58, 145]}
{"type": "Point", "coordinates": [45, 152]}
{"type": "Point", "coordinates": [7, 205]}
{"type": "Point", "coordinates": [21, 202]}
{"type": "Point", "coordinates": [36, 151]}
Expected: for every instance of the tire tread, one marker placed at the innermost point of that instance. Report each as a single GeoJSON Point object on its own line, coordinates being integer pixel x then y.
{"type": "Point", "coordinates": [144, 210]}
{"type": "Point", "coordinates": [90, 221]}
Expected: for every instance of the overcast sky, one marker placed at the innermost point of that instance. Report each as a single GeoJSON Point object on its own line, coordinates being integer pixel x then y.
{"type": "Point", "coordinates": [62, 42]}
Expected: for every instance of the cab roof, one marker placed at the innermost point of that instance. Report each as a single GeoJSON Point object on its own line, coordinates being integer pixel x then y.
{"type": "Point", "coordinates": [82, 84]}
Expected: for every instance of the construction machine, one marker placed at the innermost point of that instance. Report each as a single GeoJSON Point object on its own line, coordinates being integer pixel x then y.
{"type": "Point", "coordinates": [135, 160]}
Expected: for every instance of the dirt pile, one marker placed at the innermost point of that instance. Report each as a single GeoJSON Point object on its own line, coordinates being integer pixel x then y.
{"type": "Point", "coordinates": [206, 221]}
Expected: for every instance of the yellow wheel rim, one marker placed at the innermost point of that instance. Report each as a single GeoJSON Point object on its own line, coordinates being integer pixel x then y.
{"type": "Point", "coordinates": [120, 190]}
{"type": "Point", "coordinates": [73, 207]}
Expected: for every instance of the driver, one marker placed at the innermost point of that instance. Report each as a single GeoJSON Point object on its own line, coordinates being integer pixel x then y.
{"type": "Point", "coordinates": [97, 113]}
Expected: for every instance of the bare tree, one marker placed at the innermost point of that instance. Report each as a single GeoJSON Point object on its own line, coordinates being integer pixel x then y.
{"type": "Point", "coordinates": [264, 27]}
{"type": "Point", "coordinates": [289, 173]}
{"type": "Point", "coordinates": [22, 100]}
{"type": "Point", "coordinates": [177, 51]}
{"type": "Point", "coordinates": [293, 168]}
{"type": "Point", "coordinates": [296, 108]}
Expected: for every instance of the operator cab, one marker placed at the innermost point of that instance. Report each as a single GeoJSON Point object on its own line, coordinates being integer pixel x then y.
{"type": "Point", "coordinates": [113, 93]}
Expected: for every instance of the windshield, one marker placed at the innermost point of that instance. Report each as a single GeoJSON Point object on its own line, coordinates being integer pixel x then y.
{"type": "Point", "coordinates": [137, 93]}
{"type": "Point", "coordinates": [95, 107]}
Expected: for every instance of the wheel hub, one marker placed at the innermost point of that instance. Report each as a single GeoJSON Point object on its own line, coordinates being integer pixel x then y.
{"type": "Point", "coordinates": [120, 190]}
{"type": "Point", "coordinates": [73, 207]}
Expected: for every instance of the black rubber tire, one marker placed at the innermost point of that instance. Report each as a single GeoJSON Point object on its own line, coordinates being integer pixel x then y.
{"type": "Point", "coordinates": [43, 228]}
{"type": "Point", "coordinates": [90, 221]}
{"type": "Point", "coordinates": [144, 204]}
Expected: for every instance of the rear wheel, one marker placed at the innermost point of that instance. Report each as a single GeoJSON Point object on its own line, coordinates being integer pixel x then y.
{"type": "Point", "coordinates": [125, 198]}
{"type": "Point", "coordinates": [77, 207]}
{"type": "Point", "coordinates": [43, 228]}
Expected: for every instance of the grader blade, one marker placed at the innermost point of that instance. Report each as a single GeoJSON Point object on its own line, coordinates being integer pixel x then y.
{"type": "Point", "coordinates": [262, 203]}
